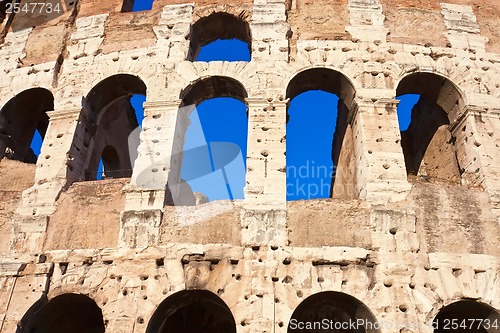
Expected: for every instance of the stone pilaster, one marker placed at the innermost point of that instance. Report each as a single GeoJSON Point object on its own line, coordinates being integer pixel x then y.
{"type": "Point", "coordinates": [265, 191]}
{"type": "Point", "coordinates": [55, 168]}
{"type": "Point", "coordinates": [172, 29]}
{"type": "Point", "coordinates": [158, 163]}
{"type": "Point", "coordinates": [367, 20]}
{"type": "Point", "coordinates": [477, 147]}
{"type": "Point", "coordinates": [381, 172]}
{"type": "Point", "coordinates": [463, 29]}
{"type": "Point", "coordinates": [269, 30]}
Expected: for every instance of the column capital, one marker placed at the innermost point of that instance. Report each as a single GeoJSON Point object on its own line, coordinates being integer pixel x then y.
{"type": "Point", "coordinates": [257, 101]}
{"type": "Point", "coordinates": [158, 105]}
{"type": "Point", "coordinates": [64, 114]}
{"type": "Point", "coordinates": [363, 101]}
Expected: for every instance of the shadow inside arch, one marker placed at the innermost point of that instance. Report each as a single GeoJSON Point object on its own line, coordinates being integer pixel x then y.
{"type": "Point", "coordinates": [192, 311]}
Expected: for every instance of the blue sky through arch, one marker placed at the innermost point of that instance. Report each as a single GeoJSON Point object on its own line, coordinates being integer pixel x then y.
{"type": "Point", "coordinates": [140, 5]}
{"type": "Point", "coordinates": [216, 121]}
{"type": "Point", "coordinates": [406, 104]}
{"type": "Point", "coordinates": [309, 137]}
{"type": "Point", "coordinates": [225, 50]}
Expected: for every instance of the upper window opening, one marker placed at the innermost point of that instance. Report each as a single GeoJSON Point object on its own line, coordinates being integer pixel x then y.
{"type": "Point", "coordinates": [21, 119]}
{"type": "Point", "coordinates": [482, 317]}
{"type": "Point", "coordinates": [337, 309]}
{"type": "Point", "coordinates": [218, 33]}
{"type": "Point", "coordinates": [225, 50]}
{"type": "Point", "coordinates": [319, 138]}
{"type": "Point", "coordinates": [137, 5]}
{"type": "Point", "coordinates": [114, 111]}
{"type": "Point", "coordinates": [428, 103]}
{"type": "Point", "coordinates": [175, 314]}
{"type": "Point", "coordinates": [64, 313]}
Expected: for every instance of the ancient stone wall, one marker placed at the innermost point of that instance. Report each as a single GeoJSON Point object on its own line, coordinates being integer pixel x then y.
{"type": "Point", "coordinates": [390, 246]}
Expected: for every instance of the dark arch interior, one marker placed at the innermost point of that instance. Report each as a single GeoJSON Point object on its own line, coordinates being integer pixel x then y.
{"type": "Point", "coordinates": [470, 317]}
{"type": "Point", "coordinates": [428, 145]}
{"type": "Point", "coordinates": [110, 118]}
{"type": "Point", "coordinates": [333, 82]}
{"type": "Point", "coordinates": [337, 309]}
{"type": "Point", "coordinates": [113, 88]}
{"type": "Point", "coordinates": [434, 88]}
{"type": "Point", "coordinates": [66, 313]}
{"type": "Point", "coordinates": [217, 26]}
{"type": "Point", "coordinates": [20, 118]}
{"type": "Point", "coordinates": [322, 79]}
{"type": "Point", "coordinates": [3, 9]}
{"type": "Point", "coordinates": [211, 87]}
{"type": "Point", "coordinates": [192, 311]}
{"type": "Point", "coordinates": [111, 162]}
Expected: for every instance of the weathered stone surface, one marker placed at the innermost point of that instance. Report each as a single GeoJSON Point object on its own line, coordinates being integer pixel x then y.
{"type": "Point", "coordinates": [413, 222]}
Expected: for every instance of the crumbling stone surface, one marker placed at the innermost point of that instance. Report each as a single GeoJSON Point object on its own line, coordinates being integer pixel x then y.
{"type": "Point", "coordinates": [87, 216]}
{"type": "Point", "coordinates": [413, 223]}
{"type": "Point", "coordinates": [15, 177]}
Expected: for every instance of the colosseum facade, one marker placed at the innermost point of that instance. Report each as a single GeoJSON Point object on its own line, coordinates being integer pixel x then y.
{"type": "Point", "coordinates": [409, 240]}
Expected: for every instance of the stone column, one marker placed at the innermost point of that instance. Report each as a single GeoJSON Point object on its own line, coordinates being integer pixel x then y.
{"type": "Point", "coordinates": [477, 150]}
{"type": "Point", "coordinates": [265, 190]}
{"type": "Point", "coordinates": [381, 173]}
{"type": "Point", "coordinates": [269, 30]}
{"type": "Point", "coordinates": [172, 29]}
{"type": "Point", "coordinates": [55, 168]}
{"type": "Point", "coordinates": [367, 20]}
{"type": "Point", "coordinates": [158, 162]}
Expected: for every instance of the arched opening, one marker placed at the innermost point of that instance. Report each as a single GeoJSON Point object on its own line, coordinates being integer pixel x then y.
{"type": "Point", "coordinates": [192, 311]}
{"type": "Point", "coordinates": [333, 312]}
{"type": "Point", "coordinates": [320, 148]}
{"type": "Point", "coordinates": [214, 150]}
{"type": "Point", "coordinates": [111, 116]}
{"type": "Point", "coordinates": [220, 30]}
{"type": "Point", "coordinates": [110, 163]}
{"type": "Point", "coordinates": [20, 119]}
{"type": "Point", "coordinates": [65, 313]}
{"type": "Point", "coordinates": [428, 145]}
{"type": "Point", "coordinates": [467, 316]}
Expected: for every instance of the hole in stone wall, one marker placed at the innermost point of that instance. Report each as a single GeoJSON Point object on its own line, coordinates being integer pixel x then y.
{"type": "Point", "coordinates": [428, 101]}
{"type": "Point", "coordinates": [23, 124]}
{"type": "Point", "coordinates": [319, 138]}
{"type": "Point", "coordinates": [65, 313]}
{"type": "Point", "coordinates": [192, 311]}
{"type": "Point", "coordinates": [467, 316]}
{"type": "Point", "coordinates": [217, 32]}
